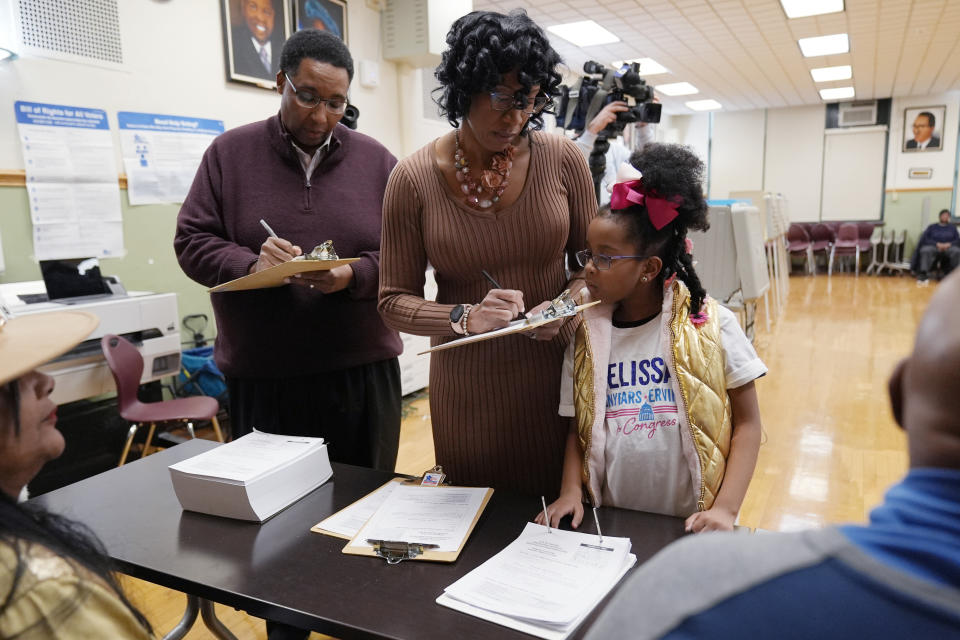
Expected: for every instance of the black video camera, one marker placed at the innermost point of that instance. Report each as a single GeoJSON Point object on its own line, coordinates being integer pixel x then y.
{"type": "Point", "coordinates": [578, 104]}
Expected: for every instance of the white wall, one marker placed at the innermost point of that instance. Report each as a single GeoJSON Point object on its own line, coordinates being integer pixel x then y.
{"type": "Point", "coordinates": [175, 65]}
{"type": "Point", "coordinates": [942, 162]}
{"type": "Point", "coordinates": [794, 158]}
{"type": "Point", "coordinates": [691, 130]}
{"type": "Point", "coordinates": [736, 152]}
{"type": "Point", "coordinates": [418, 129]}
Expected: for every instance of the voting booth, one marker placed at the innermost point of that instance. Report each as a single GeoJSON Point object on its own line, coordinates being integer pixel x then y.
{"type": "Point", "coordinates": [731, 259]}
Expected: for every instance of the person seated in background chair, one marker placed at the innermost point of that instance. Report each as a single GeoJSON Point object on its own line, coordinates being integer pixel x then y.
{"type": "Point", "coordinates": [940, 242]}
{"type": "Point", "coordinates": [896, 577]}
{"type": "Point", "coordinates": [56, 581]}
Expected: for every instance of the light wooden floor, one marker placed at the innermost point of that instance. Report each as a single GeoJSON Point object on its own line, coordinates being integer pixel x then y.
{"type": "Point", "coordinates": [831, 447]}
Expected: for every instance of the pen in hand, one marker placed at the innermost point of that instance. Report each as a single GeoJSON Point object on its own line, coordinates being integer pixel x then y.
{"type": "Point", "coordinates": [267, 227]}
{"type": "Point", "coordinates": [496, 285]}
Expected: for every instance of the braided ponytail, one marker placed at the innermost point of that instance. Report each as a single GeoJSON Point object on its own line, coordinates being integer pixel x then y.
{"type": "Point", "coordinates": [681, 264]}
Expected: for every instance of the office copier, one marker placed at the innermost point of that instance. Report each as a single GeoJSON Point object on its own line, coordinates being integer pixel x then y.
{"type": "Point", "coordinates": [148, 320]}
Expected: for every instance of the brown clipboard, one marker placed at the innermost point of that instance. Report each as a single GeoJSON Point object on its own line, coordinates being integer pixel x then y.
{"type": "Point", "coordinates": [318, 528]}
{"type": "Point", "coordinates": [274, 276]}
{"type": "Point", "coordinates": [429, 555]}
{"type": "Point", "coordinates": [518, 326]}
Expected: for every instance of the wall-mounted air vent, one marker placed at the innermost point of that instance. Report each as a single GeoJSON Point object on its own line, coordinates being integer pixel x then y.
{"type": "Point", "coordinates": [87, 31]}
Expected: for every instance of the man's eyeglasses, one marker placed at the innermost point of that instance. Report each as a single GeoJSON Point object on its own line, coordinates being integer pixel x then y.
{"type": "Point", "coordinates": [600, 261]}
{"type": "Point", "coordinates": [505, 102]}
{"type": "Point", "coordinates": [309, 101]}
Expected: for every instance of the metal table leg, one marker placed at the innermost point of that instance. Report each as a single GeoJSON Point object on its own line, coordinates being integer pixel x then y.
{"type": "Point", "coordinates": [186, 622]}
{"type": "Point", "coordinates": [217, 628]}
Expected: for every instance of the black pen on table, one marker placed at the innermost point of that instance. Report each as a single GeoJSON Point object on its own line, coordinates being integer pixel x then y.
{"type": "Point", "coordinates": [496, 285]}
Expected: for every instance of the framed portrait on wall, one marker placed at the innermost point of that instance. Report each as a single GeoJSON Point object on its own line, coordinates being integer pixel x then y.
{"type": "Point", "coordinates": [253, 35]}
{"type": "Point", "coordinates": [923, 128]}
{"type": "Point", "coordinates": [327, 15]}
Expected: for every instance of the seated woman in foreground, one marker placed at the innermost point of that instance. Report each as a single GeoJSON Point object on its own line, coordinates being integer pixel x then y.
{"type": "Point", "coordinates": [55, 579]}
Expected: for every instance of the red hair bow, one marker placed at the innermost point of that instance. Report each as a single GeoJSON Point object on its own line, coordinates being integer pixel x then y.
{"type": "Point", "coordinates": [662, 211]}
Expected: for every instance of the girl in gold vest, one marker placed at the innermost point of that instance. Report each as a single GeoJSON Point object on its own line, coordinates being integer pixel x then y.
{"type": "Point", "coordinates": [659, 377]}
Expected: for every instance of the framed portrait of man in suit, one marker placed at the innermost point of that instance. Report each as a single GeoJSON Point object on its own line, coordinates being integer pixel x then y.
{"type": "Point", "coordinates": [326, 15]}
{"type": "Point", "coordinates": [253, 35]}
{"type": "Point", "coordinates": [923, 127]}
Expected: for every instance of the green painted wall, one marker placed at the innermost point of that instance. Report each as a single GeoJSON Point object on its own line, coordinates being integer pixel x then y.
{"type": "Point", "coordinates": [150, 264]}
{"type": "Point", "coordinates": [902, 210]}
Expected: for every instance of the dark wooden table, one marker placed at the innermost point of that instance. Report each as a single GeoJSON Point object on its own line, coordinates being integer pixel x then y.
{"type": "Point", "coordinates": [282, 571]}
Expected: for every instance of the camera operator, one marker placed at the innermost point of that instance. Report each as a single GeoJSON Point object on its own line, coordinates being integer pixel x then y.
{"type": "Point", "coordinates": [617, 153]}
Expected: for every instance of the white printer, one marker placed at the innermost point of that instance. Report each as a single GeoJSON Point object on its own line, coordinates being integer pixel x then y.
{"type": "Point", "coordinates": [148, 320]}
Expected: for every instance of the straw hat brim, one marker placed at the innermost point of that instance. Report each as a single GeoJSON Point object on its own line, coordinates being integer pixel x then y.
{"type": "Point", "coordinates": [26, 342]}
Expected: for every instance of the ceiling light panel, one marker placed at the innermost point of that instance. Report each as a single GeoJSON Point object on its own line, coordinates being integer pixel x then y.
{"type": "Point", "coordinates": [583, 34]}
{"type": "Point", "coordinates": [824, 45]}
{"type": "Point", "coordinates": [704, 105]}
{"type": "Point", "coordinates": [837, 93]}
{"type": "Point", "coordinates": [677, 89]}
{"type": "Point", "coordinates": [827, 74]}
{"type": "Point", "coordinates": [804, 8]}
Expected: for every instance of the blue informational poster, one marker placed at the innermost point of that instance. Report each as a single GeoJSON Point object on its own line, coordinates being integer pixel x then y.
{"type": "Point", "coordinates": [57, 115]}
{"type": "Point", "coordinates": [161, 154]}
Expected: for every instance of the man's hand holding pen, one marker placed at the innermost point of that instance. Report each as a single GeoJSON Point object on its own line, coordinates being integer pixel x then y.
{"type": "Point", "coordinates": [276, 251]}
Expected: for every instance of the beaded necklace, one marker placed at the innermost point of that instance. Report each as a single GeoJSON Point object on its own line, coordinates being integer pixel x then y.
{"type": "Point", "coordinates": [493, 181]}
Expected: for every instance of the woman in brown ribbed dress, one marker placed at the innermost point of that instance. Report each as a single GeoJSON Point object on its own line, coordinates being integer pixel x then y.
{"type": "Point", "coordinates": [491, 195]}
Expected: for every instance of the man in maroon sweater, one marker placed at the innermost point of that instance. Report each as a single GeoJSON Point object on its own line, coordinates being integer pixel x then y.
{"type": "Point", "coordinates": [311, 358]}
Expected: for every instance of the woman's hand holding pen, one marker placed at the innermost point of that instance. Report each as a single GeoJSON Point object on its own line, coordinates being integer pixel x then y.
{"type": "Point", "coordinates": [497, 310]}
{"type": "Point", "coordinates": [273, 252]}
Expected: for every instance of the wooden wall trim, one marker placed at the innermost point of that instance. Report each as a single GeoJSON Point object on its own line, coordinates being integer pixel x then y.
{"type": "Point", "coordinates": [18, 178]}
{"type": "Point", "coordinates": [919, 189]}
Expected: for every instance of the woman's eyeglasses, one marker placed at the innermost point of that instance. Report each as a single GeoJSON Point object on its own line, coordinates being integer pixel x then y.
{"type": "Point", "coordinates": [505, 102]}
{"type": "Point", "coordinates": [309, 101]}
{"type": "Point", "coordinates": [600, 261]}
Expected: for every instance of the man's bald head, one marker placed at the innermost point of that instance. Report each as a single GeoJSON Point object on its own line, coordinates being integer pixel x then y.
{"type": "Point", "coordinates": [925, 387]}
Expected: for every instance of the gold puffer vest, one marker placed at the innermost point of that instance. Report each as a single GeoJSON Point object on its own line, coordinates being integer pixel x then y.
{"type": "Point", "coordinates": [696, 363]}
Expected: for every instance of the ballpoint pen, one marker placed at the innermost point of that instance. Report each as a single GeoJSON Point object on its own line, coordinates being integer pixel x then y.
{"type": "Point", "coordinates": [496, 285]}
{"type": "Point", "coordinates": [267, 227]}
{"type": "Point", "coordinates": [546, 516]}
{"type": "Point", "coordinates": [596, 521]}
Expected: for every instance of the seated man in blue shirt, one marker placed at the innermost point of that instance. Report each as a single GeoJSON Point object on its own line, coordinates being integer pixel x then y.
{"type": "Point", "coordinates": [896, 577]}
{"type": "Point", "coordinates": [938, 240]}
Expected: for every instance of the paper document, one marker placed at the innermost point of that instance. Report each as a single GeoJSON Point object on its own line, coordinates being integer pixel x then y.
{"type": "Point", "coordinates": [428, 515]}
{"type": "Point", "coordinates": [348, 521]}
{"type": "Point", "coordinates": [545, 579]}
{"type": "Point", "coordinates": [71, 177]}
{"type": "Point", "coordinates": [247, 458]}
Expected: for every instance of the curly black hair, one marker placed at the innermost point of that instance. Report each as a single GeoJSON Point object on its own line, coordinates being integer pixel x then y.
{"type": "Point", "coordinates": [669, 170]}
{"type": "Point", "coordinates": [482, 47]}
{"type": "Point", "coordinates": [322, 46]}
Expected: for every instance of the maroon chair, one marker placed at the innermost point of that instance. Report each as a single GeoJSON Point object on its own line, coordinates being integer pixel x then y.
{"type": "Point", "coordinates": [846, 244]}
{"type": "Point", "coordinates": [821, 239]}
{"type": "Point", "coordinates": [126, 365]}
{"type": "Point", "coordinates": [798, 243]}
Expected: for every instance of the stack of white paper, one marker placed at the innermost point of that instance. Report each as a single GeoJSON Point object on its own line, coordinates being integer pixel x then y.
{"type": "Point", "coordinates": [253, 477]}
{"type": "Point", "coordinates": [544, 583]}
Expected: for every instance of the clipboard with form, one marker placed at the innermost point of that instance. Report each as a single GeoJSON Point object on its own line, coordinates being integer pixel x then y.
{"type": "Point", "coordinates": [517, 326]}
{"type": "Point", "coordinates": [434, 522]}
{"type": "Point", "coordinates": [274, 276]}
